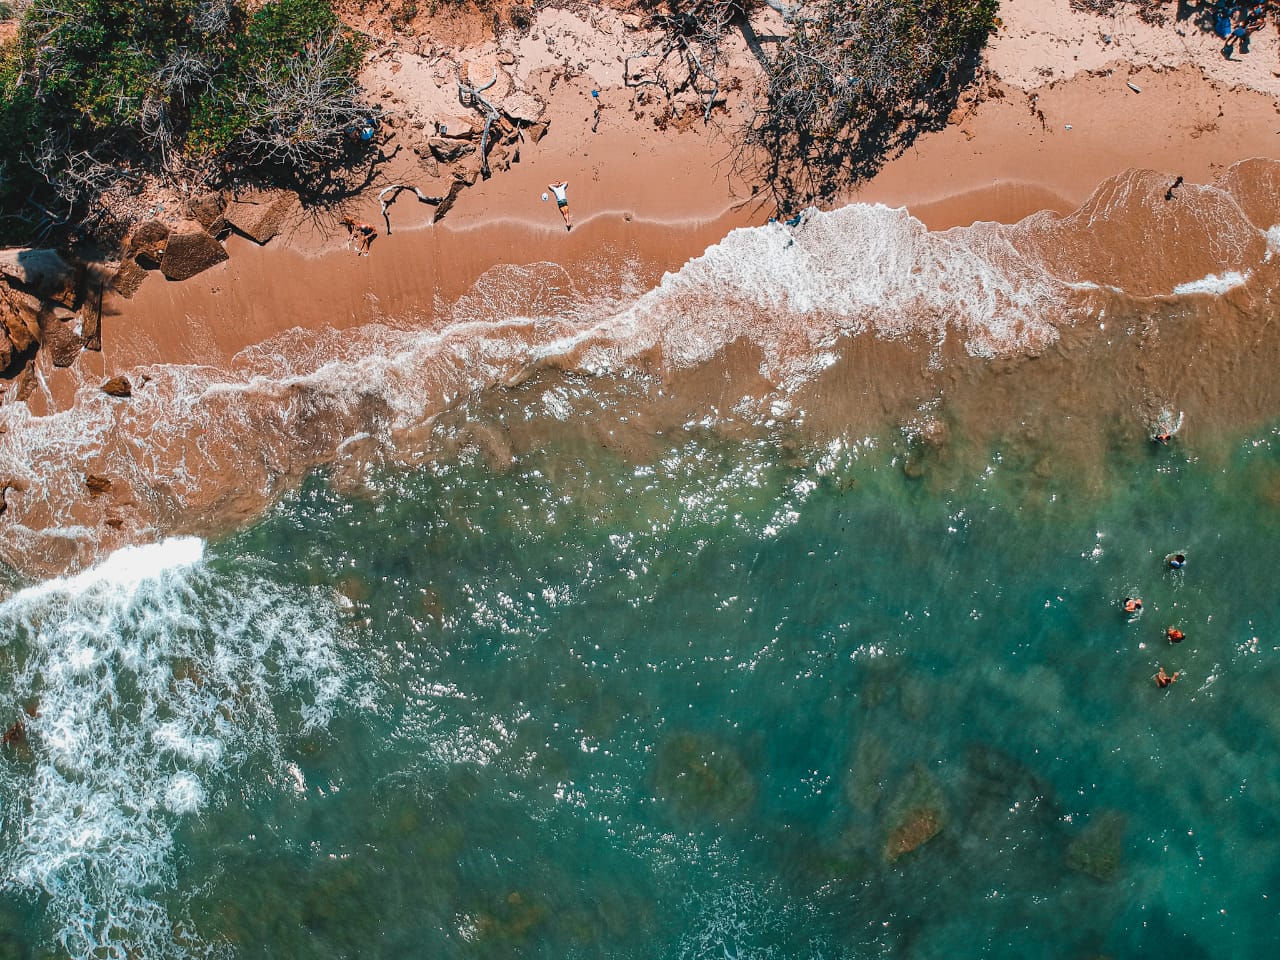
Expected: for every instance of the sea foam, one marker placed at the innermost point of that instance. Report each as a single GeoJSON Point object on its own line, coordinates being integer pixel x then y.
{"type": "Point", "coordinates": [147, 681]}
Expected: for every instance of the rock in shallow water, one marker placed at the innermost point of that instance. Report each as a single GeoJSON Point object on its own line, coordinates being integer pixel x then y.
{"type": "Point", "coordinates": [1098, 848]}
{"type": "Point", "coordinates": [118, 387]}
{"type": "Point", "coordinates": [702, 776]}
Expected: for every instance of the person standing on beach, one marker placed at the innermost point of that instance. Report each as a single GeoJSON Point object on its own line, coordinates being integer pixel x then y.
{"type": "Point", "coordinates": [562, 201]}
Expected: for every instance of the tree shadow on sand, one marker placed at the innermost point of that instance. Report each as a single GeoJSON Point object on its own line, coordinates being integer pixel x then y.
{"type": "Point", "coordinates": [802, 168]}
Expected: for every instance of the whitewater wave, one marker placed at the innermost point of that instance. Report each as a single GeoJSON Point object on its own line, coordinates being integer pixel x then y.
{"type": "Point", "coordinates": [199, 447]}
{"type": "Point", "coordinates": [145, 682]}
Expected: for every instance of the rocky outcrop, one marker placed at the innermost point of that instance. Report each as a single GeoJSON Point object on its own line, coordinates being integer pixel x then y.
{"type": "Point", "coordinates": [191, 249]}
{"type": "Point", "coordinates": [207, 209]}
{"type": "Point", "coordinates": [447, 203]}
{"type": "Point", "coordinates": [118, 387]}
{"type": "Point", "coordinates": [42, 272]}
{"type": "Point", "coordinates": [91, 319]}
{"type": "Point", "coordinates": [147, 242]}
{"type": "Point", "coordinates": [128, 278]}
{"type": "Point", "coordinates": [59, 339]}
{"type": "Point", "coordinates": [260, 216]}
{"type": "Point", "coordinates": [39, 295]}
{"type": "Point", "coordinates": [19, 318]}
{"type": "Point", "coordinates": [97, 483]}
{"type": "Point", "coordinates": [447, 149]}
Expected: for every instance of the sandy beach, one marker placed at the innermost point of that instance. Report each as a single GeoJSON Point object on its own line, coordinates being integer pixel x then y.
{"type": "Point", "coordinates": [1065, 101]}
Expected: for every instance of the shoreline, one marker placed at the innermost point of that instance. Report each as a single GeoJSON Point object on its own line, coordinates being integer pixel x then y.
{"type": "Point", "coordinates": [645, 203]}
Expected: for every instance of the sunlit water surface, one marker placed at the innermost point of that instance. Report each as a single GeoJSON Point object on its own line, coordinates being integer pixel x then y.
{"type": "Point", "coordinates": [747, 699]}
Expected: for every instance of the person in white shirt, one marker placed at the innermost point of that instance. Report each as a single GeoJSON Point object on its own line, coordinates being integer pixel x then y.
{"type": "Point", "coordinates": [562, 201]}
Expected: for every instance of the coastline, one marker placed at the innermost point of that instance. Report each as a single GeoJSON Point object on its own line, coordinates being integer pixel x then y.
{"type": "Point", "coordinates": [645, 201]}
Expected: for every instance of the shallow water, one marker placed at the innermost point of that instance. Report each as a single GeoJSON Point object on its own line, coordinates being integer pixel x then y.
{"type": "Point", "coordinates": [744, 698]}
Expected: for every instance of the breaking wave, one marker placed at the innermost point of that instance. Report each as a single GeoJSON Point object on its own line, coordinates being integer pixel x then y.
{"type": "Point", "coordinates": [145, 683]}
{"type": "Point", "coordinates": [197, 447]}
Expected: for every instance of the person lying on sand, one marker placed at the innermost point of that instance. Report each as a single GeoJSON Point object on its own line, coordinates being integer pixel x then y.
{"type": "Point", "coordinates": [559, 188]}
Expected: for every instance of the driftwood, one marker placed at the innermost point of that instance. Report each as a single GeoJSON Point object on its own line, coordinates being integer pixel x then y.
{"type": "Point", "coordinates": [469, 96]}
{"type": "Point", "coordinates": [394, 191]}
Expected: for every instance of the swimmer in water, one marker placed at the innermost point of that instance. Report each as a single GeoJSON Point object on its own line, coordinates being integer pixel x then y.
{"type": "Point", "coordinates": [1177, 561]}
{"type": "Point", "coordinates": [1174, 635]}
{"type": "Point", "coordinates": [1163, 679]}
{"type": "Point", "coordinates": [1132, 605]}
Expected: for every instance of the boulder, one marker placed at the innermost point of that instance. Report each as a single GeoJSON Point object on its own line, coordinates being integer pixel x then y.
{"type": "Point", "coordinates": [459, 127]}
{"type": "Point", "coordinates": [522, 106]}
{"type": "Point", "coordinates": [118, 387]}
{"type": "Point", "coordinates": [91, 319]}
{"type": "Point", "coordinates": [128, 278]}
{"type": "Point", "coordinates": [536, 131]}
{"type": "Point", "coordinates": [448, 149]}
{"type": "Point", "coordinates": [59, 340]}
{"type": "Point", "coordinates": [147, 242]}
{"type": "Point", "coordinates": [1098, 848]}
{"type": "Point", "coordinates": [468, 169]}
{"type": "Point", "coordinates": [191, 250]}
{"type": "Point", "coordinates": [27, 383]}
{"type": "Point", "coordinates": [20, 317]}
{"type": "Point", "coordinates": [260, 217]}
{"type": "Point", "coordinates": [207, 209]}
{"type": "Point", "coordinates": [43, 272]}
{"type": "Point", "coordinates": [96, 483]}
{"type": "Point", "coordinates": [6, 352]}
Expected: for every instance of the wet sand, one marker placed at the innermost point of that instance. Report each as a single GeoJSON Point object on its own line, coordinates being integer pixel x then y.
{"type": "Point", "coordinates": [255, 365]}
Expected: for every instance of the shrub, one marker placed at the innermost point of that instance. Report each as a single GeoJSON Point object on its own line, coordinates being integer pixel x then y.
{"type": "Point", "coordinates": [156, 84]}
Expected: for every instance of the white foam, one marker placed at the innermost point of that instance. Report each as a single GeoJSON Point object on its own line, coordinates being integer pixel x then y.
{"type": "Point", "coordinates": [1213, 285]}
{"type": "Point", "coordinates": [1273, 242]}
{"type": "Point", "coordinates": [153, 680]}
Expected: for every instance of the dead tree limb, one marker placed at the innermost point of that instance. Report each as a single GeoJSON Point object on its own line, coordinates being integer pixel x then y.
{"type": "Point", "coordinates": [469, 96]}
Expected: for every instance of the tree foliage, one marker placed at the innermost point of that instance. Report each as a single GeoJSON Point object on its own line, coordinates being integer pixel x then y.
{"type": "Point", "coordinates": [854, 80]}
{"type": "Point", "coordinates": [847, 82]}
{"type": "Point", "coordinates": [162, 87]}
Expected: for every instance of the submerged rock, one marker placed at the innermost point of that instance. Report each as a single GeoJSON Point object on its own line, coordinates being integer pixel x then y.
{"type": "Point", "coordinates": [1098, 849]}
{"type": "Point", "coordinates": [916, 816]}
{"type": "Point", "coordinates": [700, 775]}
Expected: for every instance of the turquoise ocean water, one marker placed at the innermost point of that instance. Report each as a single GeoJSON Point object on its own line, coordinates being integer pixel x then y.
{"type": "Point", "coordinates": [744, 698]}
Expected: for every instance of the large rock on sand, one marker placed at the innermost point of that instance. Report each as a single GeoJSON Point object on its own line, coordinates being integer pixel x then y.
{"type": "Point", "coordinates": [59, 340]}
{"type": "Point", "coordinates": [260, 217]}
{"type": "Point", "coordinates": [191, 249]}
{"type": "Point", "coordinates": [147, 242]}
{"type": "Point", "coordinates": [448, 149]}
{"type": "Point", "coordinates": [207, 211]}
{"type": "Point", "coordinates": [42, 272]}
{"type": "Point", "coordinates": [19, 317]}
{"type": "Point", "coordinates": [128, 278]}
